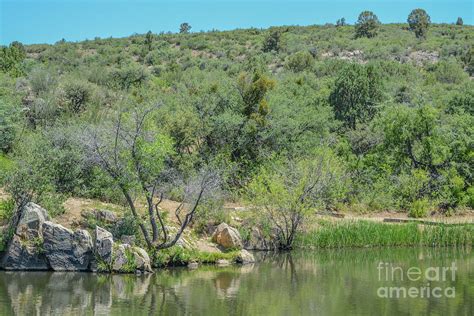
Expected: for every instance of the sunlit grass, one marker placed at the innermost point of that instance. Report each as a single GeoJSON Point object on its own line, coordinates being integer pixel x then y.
{"type": "Point", "coordinates": [330, 234]}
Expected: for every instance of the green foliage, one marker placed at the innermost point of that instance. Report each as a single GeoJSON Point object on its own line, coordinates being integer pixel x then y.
{"type": "Point", "coordinates": [419, 208]}
{"type": "Point", "coordinates": [367, 25]}
{"type": "Point", "coordinates": [149, 40]}
{"type": "Point", "coordinates": [11, 58]}
{"type": "Point", "coordinates": [178, 256]}
{"type": "Point", "coordinates": [272, 41]}
{"type": "Point", "coordinates": [285, 192]}
{"type": "Point", "coordinates": [341, 22]}
{"type": "Point", "coordinates": [300, 61]}
{"type": "Point", "coordinates": [449, 72]}
{"type": "Point", "coordinates": [468, 60]}
{"type": "Point", "coordinates": [375, 234]}
{"type": "Point", "coordinates": [6, 209]}
{"type": "Point", "coordinates": [8, 126]}
{"type": "Point", "coordinates": [224, 101]}
{"type": "Point", "coordinates": [419, 21]}
{"type": "Point", "coordinates": [462, 102]}
{"type": "Point", "coordinates": [75, 95]}
{"type": "Point", "coordinates": [459, 21]}
{"type": "Point", "coordinates": [184, 28]}
{"type": "Point", "coordinates": [357, 91]}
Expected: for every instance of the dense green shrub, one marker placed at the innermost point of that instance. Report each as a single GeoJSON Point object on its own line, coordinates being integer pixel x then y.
{"type": "Point", "coordinates": [300, 61]}
{"type": "Point", "coordinates": [419, 208]}
{"type": "Point", "coordinates": [75, 95]}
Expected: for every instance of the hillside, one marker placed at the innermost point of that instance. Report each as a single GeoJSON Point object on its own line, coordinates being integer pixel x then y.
{"type": "Point", "coordinates": [310, 116]}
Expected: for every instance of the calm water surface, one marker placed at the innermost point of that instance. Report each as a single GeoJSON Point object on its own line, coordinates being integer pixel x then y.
{"type": "Point", "coordinates": [301, 283]}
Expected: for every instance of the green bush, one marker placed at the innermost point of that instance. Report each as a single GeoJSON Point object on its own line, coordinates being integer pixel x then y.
{"type": "Point", "coordinates": [419, 208]}
{"type": "Point", "coordinates": [449, 71]}
{"type": "Point", "coordinates": [300, 61]}
{"type": "Point", "coordinates": [75, 95]}
{"type": "Point", "coordinates": [6, 209]}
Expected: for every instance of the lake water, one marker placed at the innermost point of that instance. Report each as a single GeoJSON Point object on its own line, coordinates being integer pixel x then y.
{"type": "Point", "coordinates": [322, 282]}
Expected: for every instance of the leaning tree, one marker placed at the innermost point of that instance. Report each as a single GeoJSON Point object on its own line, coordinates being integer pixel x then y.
{"type": "Point", "coordinates": [133, 152]}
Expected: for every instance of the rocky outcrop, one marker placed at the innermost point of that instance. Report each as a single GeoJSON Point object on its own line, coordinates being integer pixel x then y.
{"type": "Point", "coordinates": [66, 250]}
{"type": "Point", "coordinates": [25, 250]}
{"type": "Point", "coordinates": [245, 257]}
{"type": "Point", "coordinates": [259, 241]}
{"type": "Point", "coordinates": [227, 237]}
{"type": "Point", "coordinates": [129, 259]}
{"type": "Point", "coordinates": [104, 243]}
{"type": "Point", "coordinates": [39, 244]}
{"type": "Point", "coordinates": [121, 258]}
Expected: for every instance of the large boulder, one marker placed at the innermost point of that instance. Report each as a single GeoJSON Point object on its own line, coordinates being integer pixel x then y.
{"type": "Point", "coordinates": [25, 250]}
{"type": "Point", "coordinates": [31, 221]}
{"type": "Point", "coordinates": [104, 243]}
{"type": "Point", "coordinates": [130, 259]}
{"type": "Point", "coordinates": [102, 216]}
{"type": "Point", "coordinates": [227, 237]}
{"type": "Point", "coordinates": [24, 255]}
{"type": "Point", "coordinates": [259, 241]}
{"type": "Point", "coordinates": [67, 250]}
{"type": "Point", "coordinates": [245, 257]}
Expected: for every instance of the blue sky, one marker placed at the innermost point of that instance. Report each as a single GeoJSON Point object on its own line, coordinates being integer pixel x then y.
{"type": "Point", "coordinates": [47, 21]}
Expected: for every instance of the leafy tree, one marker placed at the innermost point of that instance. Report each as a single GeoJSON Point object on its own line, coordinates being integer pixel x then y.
{"type": "Point", "coordinates": [272, 41]}
{"type": "Point", "coordinates": [459, 21]}
{"type": "Point", "coordinates": [367, 25]}
{"type": "Point", "coordinates": [11, 58]}
{"type": "Point", "coordinates": [184, 28]}
{"type": "Point", "coordinates": [419, 21]}
{"type": "Point", "coordinates": [253, 89]}
{"type": "Point", "coordinates": [286, 191]}
{"type": "Point", "coordinates": [356, 93]}
{"type": "Point", "coordinates": [341, 22]}
{"type": "Point", "coordinates": [134, 154]}
{"type": "Point", "coordinates": [149, 40]}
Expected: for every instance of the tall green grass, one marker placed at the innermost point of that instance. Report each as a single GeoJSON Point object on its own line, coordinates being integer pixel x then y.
{"type": "Point", "coordinates": [376, 234]}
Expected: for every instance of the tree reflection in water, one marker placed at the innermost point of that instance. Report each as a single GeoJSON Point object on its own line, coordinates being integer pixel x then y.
{"type": "Point", "coordinates": [318, 282]}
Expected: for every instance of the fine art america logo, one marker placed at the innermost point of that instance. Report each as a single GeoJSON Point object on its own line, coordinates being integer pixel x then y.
{"type": "Point", "coordinates": [388, 272]}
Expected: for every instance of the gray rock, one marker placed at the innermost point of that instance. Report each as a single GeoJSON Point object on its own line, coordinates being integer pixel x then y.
{"type": "Point", "coordinates": [245, 257]}
{"type": "Point", "coordinates": [193, 265]}
{"type": "Point", "coordinates": [227, 237]}
{"type": "Point", "coordinates": [128, 239]}
{"type": "Point", "coordinates": [31, 221]}
{"type": "Point", "coordinates": [223, 262]}
{"type": "Point", "coordinates": [121, 260]}
{"type": "Point", "coordinates": [24, 255]}
{"type": "Point", "coordinates": [142, 260]}
{"type": "Point", "coordinates": [104, 243]}
{"type": "Point", "coordinates": [67, 250]}
{"type": "Point", "coordinates": [131, 259]}
{"type": "Point", "coordinates": [106, 216]}
{"type": "Point", "coordinates": [258, 241]}
{"type": "Point", "coordinates": [25, 250]}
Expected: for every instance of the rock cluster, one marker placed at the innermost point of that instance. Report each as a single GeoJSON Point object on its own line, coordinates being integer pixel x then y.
{"type": "Point", "coordinates": [39, 244]}
{"type": "Point", "coordinates": [259, 241]}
